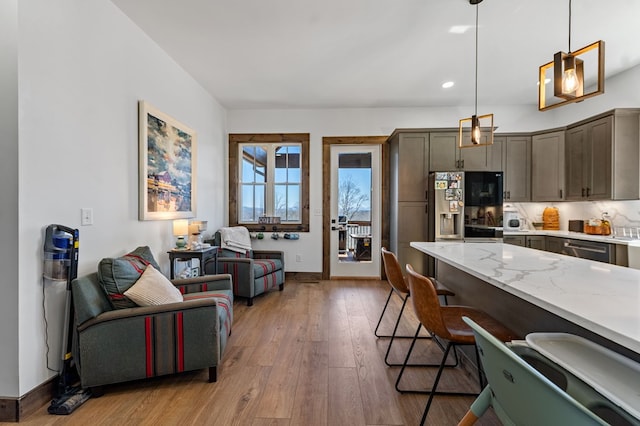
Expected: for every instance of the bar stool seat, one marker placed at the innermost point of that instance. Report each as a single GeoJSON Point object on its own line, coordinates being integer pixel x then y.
{"type": "Point", "coordinates": [398, 285]}
{"type": "Point", "coordinates": [446, 323]}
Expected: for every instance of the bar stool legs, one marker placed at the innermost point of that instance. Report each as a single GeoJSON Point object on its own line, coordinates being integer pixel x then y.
{"type": "Point", "coordinates": [394, 335]}
{"type": "Point", "coordinates": [440, 365]}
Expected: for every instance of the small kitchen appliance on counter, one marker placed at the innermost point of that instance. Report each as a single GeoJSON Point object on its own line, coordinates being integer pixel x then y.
{"type": "Point", "coordinates": [576, 226]}
{"type": "Point", "coordinates": [551, 219]}
{"type": "Point", "coordinates": [512, 221]}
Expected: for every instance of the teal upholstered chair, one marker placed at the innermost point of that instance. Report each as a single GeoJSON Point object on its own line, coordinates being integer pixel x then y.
{"type": "Point", "coordinates": [253, 272]}
{"type": "Point", "coordinates": [117, 341]}
{"type": "Point", "coordinates": [518, 393]}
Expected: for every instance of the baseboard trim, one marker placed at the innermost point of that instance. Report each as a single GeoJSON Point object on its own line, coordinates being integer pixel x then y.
{"type": "Point", "coordinates": [16, 409]}
{"type": "Point", "coordinates": [303, 276]}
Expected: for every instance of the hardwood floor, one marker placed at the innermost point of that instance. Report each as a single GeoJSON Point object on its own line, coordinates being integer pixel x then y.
{"type": "Point", "coordinates": [303, 356]}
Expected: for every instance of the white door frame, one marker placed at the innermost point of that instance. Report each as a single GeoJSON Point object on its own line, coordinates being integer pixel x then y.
{"type": "Point", "coordinates": [362, 269]}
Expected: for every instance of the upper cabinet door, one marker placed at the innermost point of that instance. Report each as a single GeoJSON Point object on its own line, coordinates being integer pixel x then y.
{"type": "Point", "coordinates": [443, 152]}
{"type": "Point", "coordinates": [413, 170]}
{"type": "Point", "coordinates": [575, 163]}
{"type": "Point", "coordinates": [588, 153]}
{"type": "Point", "coordinates": [547, 167]}
{"type": "Point", "coordinates": [599, 184]}
{"type": "Point", "coordinates": [517, 168]}
{"type": "Point", "coordinates": [445, 155]}
{"type": "Point", "coordinates": [476, 158]}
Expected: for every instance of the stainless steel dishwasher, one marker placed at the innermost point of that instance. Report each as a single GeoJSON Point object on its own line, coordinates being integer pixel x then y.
{"type": "Point", "coordinates": [601, 252]}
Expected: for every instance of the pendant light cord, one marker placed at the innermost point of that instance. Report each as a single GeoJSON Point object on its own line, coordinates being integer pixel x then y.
{"type": "Point", "coordinates": [569, 26]}
{"type": "Point", "coordinates": [476, 94]}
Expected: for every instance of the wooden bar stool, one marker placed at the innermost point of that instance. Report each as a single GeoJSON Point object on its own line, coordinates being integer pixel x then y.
{"type": "Point", "coordinates": [399, 287]}
{"type": "Point", "coordinates": [446, 323]}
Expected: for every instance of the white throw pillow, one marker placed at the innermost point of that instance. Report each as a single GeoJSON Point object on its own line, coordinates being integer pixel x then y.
{"type": "Point", "coordinates": [153, 288]}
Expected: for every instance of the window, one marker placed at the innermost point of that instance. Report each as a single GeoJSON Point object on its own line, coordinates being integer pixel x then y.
{"type": "Point", "coordinates": [268, 176]}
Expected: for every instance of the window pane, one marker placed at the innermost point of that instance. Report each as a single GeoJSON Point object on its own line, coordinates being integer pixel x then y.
{"type": "Point", "coordinates": [287, 202]}
{"type": "Point", "coordinates": [247, 204]}
{"type": "Point", "coordinates": [254, 164]}
{"type": "Point", "coordinates": [252, 202]}
{"type": "Point", "coordinates": [293, 211]}
{"type": "Point", "coordinates": [354, 193]}
{"type": "Point", "coordinates": [287, 164]}
{"type": "Point", "coordinates": [280, 202]}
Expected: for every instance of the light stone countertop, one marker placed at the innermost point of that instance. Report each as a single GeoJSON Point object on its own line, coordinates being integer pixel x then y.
{"type": "Point", "coordinates": [599, 297]}
{"type": "Point", "coordinates": [579, 236]}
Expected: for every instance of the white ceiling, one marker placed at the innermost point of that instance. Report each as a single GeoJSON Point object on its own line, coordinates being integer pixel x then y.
{"type": "Point", "coordinates": [379, 53]}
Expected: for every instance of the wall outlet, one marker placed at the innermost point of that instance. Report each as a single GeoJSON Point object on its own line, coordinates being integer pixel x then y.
{"type": "Point", "coordinates": [86, 216]}
{"type": "Point", "coordinates": [298, 258]}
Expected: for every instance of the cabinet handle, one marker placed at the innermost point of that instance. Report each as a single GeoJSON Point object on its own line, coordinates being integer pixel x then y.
{"type": "Point", "coordinates": [462, 164]}
{"type": "Point", "coordinates": [560, 191]}
{"type": "Point", "coordinates": [426, 195]}
{"type": "Point", "coordinates": [508, 195]}
{"type": "Point", "coordinates": [588, 191]}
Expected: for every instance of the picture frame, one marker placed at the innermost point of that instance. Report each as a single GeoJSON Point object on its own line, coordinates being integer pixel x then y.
{"type": "Point", "coordinates": [167, 166]}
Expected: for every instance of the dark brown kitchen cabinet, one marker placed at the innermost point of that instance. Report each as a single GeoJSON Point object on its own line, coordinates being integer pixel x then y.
{"type": "Point", "coordinates": [537, 242]}
{"type": "Point", "coordinates": [531, 241]}
{"type": "Point", "coordinates": [408, 173]}
{"type": "Point", "coordinates": [516, 165]}
{"type": "Point", "coordinates": [547, 166]}
{"type": "Point", "coordinates": [601, 157]}
{"type": "Point", "coordinates": [445, 155]}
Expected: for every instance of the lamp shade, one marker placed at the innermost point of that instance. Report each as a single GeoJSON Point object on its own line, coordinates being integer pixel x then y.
{"type": "Point", "coordinates": [180, 227]}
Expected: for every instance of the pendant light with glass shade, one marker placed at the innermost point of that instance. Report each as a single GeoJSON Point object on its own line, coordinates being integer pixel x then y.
{"type": "Point", "coordinates": [481, 131]}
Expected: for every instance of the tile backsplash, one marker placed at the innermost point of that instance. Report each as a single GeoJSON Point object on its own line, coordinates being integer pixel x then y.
{"type": "Point", "coordinates": [621, 213]}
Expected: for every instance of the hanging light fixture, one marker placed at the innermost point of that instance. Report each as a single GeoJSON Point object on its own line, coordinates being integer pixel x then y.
{"type": "Point", "coordinates": [568, 74]}
{"type": "Point", "coordinates": [477, 134]}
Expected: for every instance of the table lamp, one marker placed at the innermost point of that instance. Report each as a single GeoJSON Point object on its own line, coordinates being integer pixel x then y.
{"type": "Point", "coordinates": [196, 228]}
{"type": "Point", "coordinates": [180, 230]}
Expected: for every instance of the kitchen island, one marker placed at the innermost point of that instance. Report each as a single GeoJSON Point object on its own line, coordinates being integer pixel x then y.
{"type": "Point", "coordinates": [534, 291]}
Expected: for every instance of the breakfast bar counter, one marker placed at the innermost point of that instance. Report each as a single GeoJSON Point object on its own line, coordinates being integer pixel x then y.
{"type": "Point", "coordinates": [536, 291]}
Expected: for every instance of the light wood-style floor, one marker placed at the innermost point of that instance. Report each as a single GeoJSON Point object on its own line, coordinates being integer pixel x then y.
{"type": "Point", "coordinates": [304, 356]}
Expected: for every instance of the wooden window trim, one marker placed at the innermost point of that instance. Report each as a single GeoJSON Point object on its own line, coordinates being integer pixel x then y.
{"type": "Point", "coordinates": [234, 170]}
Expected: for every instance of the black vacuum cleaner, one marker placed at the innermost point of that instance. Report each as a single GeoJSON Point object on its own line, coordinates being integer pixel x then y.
{"type": "Point", "coordinates": [60, 264]}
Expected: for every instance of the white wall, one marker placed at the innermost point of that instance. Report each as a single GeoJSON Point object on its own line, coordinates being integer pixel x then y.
{"type": "Point", "coordinates": [83, 67]}
{"type": "Point", "coordinates": [9, 242]}
{"type": "Point", "coordinates": [621, 91]}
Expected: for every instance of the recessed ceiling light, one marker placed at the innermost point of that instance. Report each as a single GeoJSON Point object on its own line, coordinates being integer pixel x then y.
{"type": "Point", "coordinates": [447, 84]}
{"type": "Point", "coordinates": [459, 29]}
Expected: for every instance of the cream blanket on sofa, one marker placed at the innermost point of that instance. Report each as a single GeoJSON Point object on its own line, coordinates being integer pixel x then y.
{"type": "Point", "coordinates": [235, 238]}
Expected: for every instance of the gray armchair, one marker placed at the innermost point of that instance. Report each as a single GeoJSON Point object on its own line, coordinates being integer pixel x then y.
{"type": "Point", "coordinates": [253, 273]}
{"type": "Point", "coordinates": [121, 344]}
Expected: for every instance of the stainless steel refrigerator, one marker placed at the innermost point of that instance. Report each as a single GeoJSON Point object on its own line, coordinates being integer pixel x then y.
{"type": "Point", "coordinates": [445, 200]}
{"type": "Point", "coordinates": [464, 206]}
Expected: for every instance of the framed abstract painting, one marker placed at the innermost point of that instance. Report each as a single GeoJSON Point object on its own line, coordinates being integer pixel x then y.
{"type": "Point", "coordinates": [167, 166]}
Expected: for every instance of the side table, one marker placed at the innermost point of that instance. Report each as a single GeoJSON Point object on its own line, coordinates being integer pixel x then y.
{"type": "Point", "coordinates": [201, 254]}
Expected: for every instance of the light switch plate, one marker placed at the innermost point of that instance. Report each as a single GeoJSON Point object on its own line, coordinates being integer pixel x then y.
{"type": "Point", "coordinates": [86, 216]}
